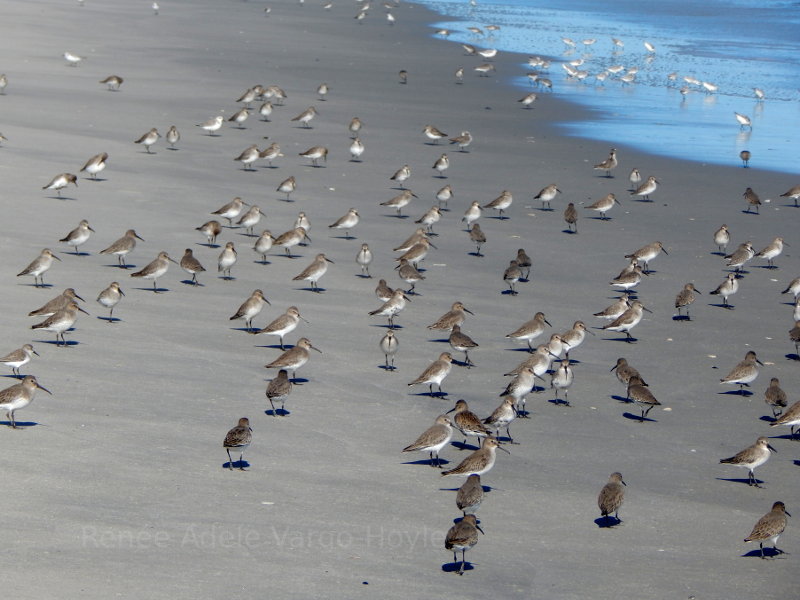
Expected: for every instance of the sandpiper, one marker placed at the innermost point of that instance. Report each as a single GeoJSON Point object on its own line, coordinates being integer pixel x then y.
{"type": "Point", "coordinates": [95, 164]}
{"type": "Point", "coordinates": [635, 179]}
{"type": "Point", "coordinates": [364, 258]}
{"type": "Point", "coordinates": [611, 497]}
{"type": "Point", "coordinates": [389, 346]}
{"type": "Point", "coordinates": [472, 214]}
{"type": "Point", "coordinates": [479, 462]}
{"type": "Point", "coordinates": [603, 205]}
{"type": "Point", "coordinates": [356, 149]}
{"type": "Point", "coordinates": [571, 217]}
{"type": "Point", "coordinates": [512, 275]}
{"type": "Point", "coordinates": [790, 418]}
{"type": "Point", "coordinates": [239, 117]}
{"type": "Point", "coordinates": [773, 249]}
{"type": "Point", "coordinates": [501, 203]}
{"type": "Point", "coordinates": [19, 396]}
{"type": "Point", "coordinates": [628, 320]}
{"type": "Point", "coordinates": [726, 289]}
{"type": "Point", "coordinates": [722, 238]}
{"type": "Point", "coordinates": [314, 272]}
{"type": "Point", "coordinates": [355, 126]}
{"type": "Point", "coordinates": [251, 308]}
{"type": "Point", "coordinates": [173, 137]}
{"type": "Point", "coordinates": [639, 393]}
{"type": "Point", "coordinates": [61, 321]}
{"type": "Point", "coordinates": [347, 222]}
{"type": "Point", "coordinates": [38, 267]}
{"type": "Point", "coordinates": [231, 210]}
{"type": "Point", "coordinates": [528, 99]}
{"type": "Point", "coordinates": [78, 236]}
{"type": "Point", "coordinates": [59, 182]}
{"type": "Point", "coordinates": [56, 304]}
{"type": "Point", "coordinates": [574, 337]}
{"type": "Point", "coordinates": [609, 164]}
{"type": "Point", "coordinates": [109, 298]}
{"type": "Point", "coordinates": [212, 125]}
{"type": "Point", "coordinates": [155, 269]}
{"type": "Point", "coordinates": [615, 310]}
{"type": "Point", "coordinates": [769, 528]}
{"type": "Point", "coordinates": [477, 237]}
{"type": "Point", "coordinates": [432, 133]}
{"type": "Point", "coordinates": [210, 229]}
{"type": "Point", "coordinates": [744, 373]}
{"type": "Point", "coordinates": [546, 194]}
{"type": "Point", "coordinates": [400, 201]}
{"type": "Point", "coordinates": [455, 316]}
{"type": "Point", "coordinates": [433, 439]}
{"type": "Point", "coordinates": [524, 262]}
{"type": "Point", "coordinates": [250, 219]}
{"type": "Point", "coordinates": [264, 244]}
{"type": "Point", "coordinates": [647, 188]}
{"type": "Point", "coordinates": [391, 307]}
{"type": "Point", "coordinates": [684, 298]}
{"type": "Point", "coordinates": [248, 156]}
{"type": "Point", "coordinates": [417, 253]}
{"type": "Point", "coordinates": [19, 358]}
{"type": "Point", "coordinates": [306, 116]}
{"type": "Point", "coordinates": [444, 195]}
{"type": "Point", "coordinates": [463, 140]}
{"type": "Point", "coordinates": [401, 175]}
{"type": "Point", "coordinates": [530, 330]}
{"type": "Point", "coordinates": [462, 536]}
{"type": "Point", "coordinates": [743, 120]}
{"type": "Point", "coordinates": [502, 417]}
{"type": "Point", "coordinates": [238, 438]}
{"type": "Point", "coordinates": [315, 153]}
{"type": "Point", "coordinates": [287, 186]}
{"type": "Point", "coordinates": [750, 458]}
{"type": "Point", "coordinates": [467, 422]}
{"type": "Point", "coordinates": [270, 153]}
{"type": "Point", "coordinates": [227, 258]}
{"type": "Point", "coordinates": [441, 165]}
{"type": "Point", "coordinates": [470, 495]}
{"type": "Point", "coordinates": [629, 280]}
{"type": "Point", "coordinates": [793, 193]}
{"type": "Point", "coordinates": [775, 397]}
{"type": "Point", "coordinates": [290, 239]}
{"type": "Point", "coordinates": [279, 389]}
{"type": "Point", "coordinates": [647, 253]}
{"type": "Point", "coordinates": [294, 357]}
{"type": "Point", "coordinates": [461, 342]}
{"type": "Point", "coordinates": [286, 323]}
{"type": "Point", "coordinates": [409, 273]}
{"type": "Point", "coordinates": [148, 139]}
{"type": "Point", "coordinates": [430, 218]}
{"type": "Point", "coordinates": [752, 199]}
{"type": "Point", "coordinates": [435, 373]}
{"type": "Point", "coordinates": [191, 265]}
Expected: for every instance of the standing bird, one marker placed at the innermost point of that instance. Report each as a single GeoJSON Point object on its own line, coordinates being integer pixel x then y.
{"type": "Point", "coordinates": [794, 332]}
{"type": "Point", "coordinates": [771, 251]}
{"type": "Point", "coordinates": [478, 238]}
{"type": "Point", "coordinates": [306, 116]}
{"type": "Point", "coordinates": [775, 397]}
{"type": "Point", "coordinates": [364, 258]}
{"type": "Point", "coordinates": [238, 438]}
{"type": "Point", "coordinates": [603, 205]}
{"type": "Point", "coordinates": [745, 156]}
{"type": "Point", "coordinates": [791, 418]}
{"type": "Point", "coordinates": [571, 217]}
{"type": "Point", "coordinates": [155, 269]}
{"type": "Point", "coordinates": [433, 134]}
{"type": "Point", "coordinates": [750, 458]}
{"type": "Point", "coordinates": [287, 186]}
{"type": "Point", "coordinates": [562, 379]}
{"type": "Point", "coordinates": [231, 210]}
{"type": "Point", "coordinates": [38, 267]}
{"type": "Point", "coordinates": [290, 239]}
{"type": "Point", "coordinates": [227, 258]}
{"type": "Point", "coordinates": [628, 320]}
{"type": "Point", "coordinates": [61, 321]}
{"type": "Point", "coordinates": [441, 165]}
{"type": "Point", "coordinates": [752, 199]}
{"type": "Point", "coordinates": [444, 195]}
{"type": "Point", "coordinates": [400, 201]}
{"type": "Point", "coordinates": [462, 536]}
{"type": "Point", "coordinates": [647, 253]}
{"type": "Point", "coordinates": [123, 246]}
{"type": "Point", "coordinates": [769, 528]}
{"type": "Point", "coordinates": [248, 156]}
{"type": "Point", "coordinates": [479, 462]}
{"type": "Point", "coordinates": [270, 153]}
{"type": "Point", "coordinates": [95, 164]}
{"type": "Point", "coordinates": [264, 244]}
{"type": "Point", "coordinates": [512, 275]}
{"type": "Point", "coordinates": [435, 373]}
{"type": "Point", "coordinates": [279, 389]}
{"type": "Point", "coordinates": [608, 164]}
{"type": "Point", "coordinates": [78, 236]}
{"type": "Point", "coordinates": [294, 357]}
{"type": "Point", "coordinates": [728, 287]}
{"type": "Point", "coordinates": [639, 393]}
{"type": "Point", "coordinates": [430, 218]}
{"type": "Point", "coordinates": [210, 229]}
{"type": "Point", "coordinates": [433, 439]}
{"type": "Point", "coordinates": [635, 179]}
{"type": "Point", "coordinates": [530, 330]}
{"type": "Point", "coordinates": [546, 194]}
{"type": "Point", "coordinates": [401, 175]}
{"type": "Point", "coordinates": [793, 193]}
{"type": "Point", "coordinates": [286, 323]}
{"type": "Point", "coordinates": [315, 153]}
{"type": "Point", "coordinates": [19, 358]}
{"type": "Point", "coordinates": [502, 417]}
{"type": "Point", "coordinates": [250, 219]}
{"type": "Point", "coordinates": [109, 298]}
{"type": "Point", "coordinates": [59, 182]}
{"type": "Point", "coordinates": [470, 495]}
{"type": "Point", "coordinates": [191, 265]}
{"type": "Point", "coordinates": [347, 222]}
{"type": "Point", "coordinates": [409, 273]}
{"type": "Point", "coordinates": [213, 125]}
{"type": "Point", "coordinates": [356, 149]}
{"type": "Point", "coordinates": [19, 396]}
{"type": "Point", "coordinates": [239, 117]}
{"type": "Point", "coordinates": [743, 120]}
{"type": "Point", "coordinates": [744, 373]}
{"type": "Point", "coordinates": [463, 140]}
{"type": "Point", "coordinates": [148, 139]}
{"type": "Point", "coordinates": [461, 342]}
{"type": "Point", "coordinates": [501, 203]}
{"type": "Point", "coordinates": [611, 497]}
{"type": "Point", "coordinates": [251, 308]}
{"type": "Point", "coordinates": [392, 306]}
{"type": "Point", "coordinates": [525, 382]}
{"type": "Point", "coordinates": [355, 126]}
{"type": "Point", "coordinates": [684, 298]}
{"type": "Point", "coordinates": [314, 272]}
{"type": "Point", "coordinates": [722, 238]}
{"type": "Point", "coordinates": [647, 188]}
{"type": "Point", "coordinates": [389, 346]}
{"type": "Point", "coordinates": [173, 137]}
{"type": "Point", "coordinates": [455, 316]}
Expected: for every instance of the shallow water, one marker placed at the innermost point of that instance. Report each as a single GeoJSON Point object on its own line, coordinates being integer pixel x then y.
{"type": "Point", "coordinates": [736, 45]}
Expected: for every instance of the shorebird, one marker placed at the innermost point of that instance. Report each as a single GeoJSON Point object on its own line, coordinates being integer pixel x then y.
{"type": "Point", "coordinates": [793, 287]}
{"type": "Point", "coordinates": [212, 125]}
{"type": "Point", "coordinates": [347, 222]}
{"type": "Point", "coordinates": [775, 397]}
{"type": "Point", "coordinates": [571, 218]}
{"type": "Point", "coordinates": [148, 139]}
{"type": "Point", "coordinates": [793, 193]}
{"type": "Point", "coordinates": [769, 528]}
{"type": "Point", "coordinates": [477, 237]}
{"type": "Point", "coordinates": [38, 267]}
{"type": "Point", "coordinates": [364, 258]}
{"type": "Point", "coordinates": [73, 60]}
{"type": "Point", "coordinates": [461, 342]}
{"type": "Point", "coordinates": [227, 258]}
{"type": "Point", "coordinates": [248, 156]}
{"type": "Point", "coordinates": [462, 536]}
{"type": "Point", "coordinates": [512, 275]}
{"type": "Point", "coordinates": [61, 321]}
{"type": "Point", "coordinates": [472, 214]}
{"type": "Point", "coordinates": [109, 298]}
{"type": "Point", "coordinates": [530, 330]}
{"type": "Point", "coordinates": [726, 289]}
{"type": "Point", "coordinates": [433, 439]}
{"type": "Point", "coordinates": [744, 373]}
{"type": "Point", "coordinates": [611, 497]}
{"type": "Point", "coordinates": [417, 253]}
{"type": "Point", "coordinates": [265, 110]}
{"type": "Point", "coordinates": [625, 373]}
{"type": "Point", "coordinates": [355, 126]}
{"type": "Point", "coordinates": [479, 462]}
{"type": "Point", "coordinates": [722, 238]}
{"type": "Point", "coordinates": [608, 164]}
{"type": "Point", "coordinates": [470, 495]}
{"type": "Point", "coordinates": [247, 97]}
{"type": "Point", "coordinates": [391, 307]}
{"type": "Point", "coordinates": [306, 116]}
{"type": "Point", "coordinates": [95, 164]}
{"type": "Point", "coordinates": [615, 310]}
{"type": "Point", "coordinates": [191, 265]}
{"type": "Point", "coordinates": [315, 153]}
{"type": "Point", "coordinates": [743, 120]}
{"type": "Point", "coordinates": [231, 210]}
{"type": "Point", "coordinates": [524, 261]}
{"type": "Point", "coordinates": [279, 389]}
{"type": "Point", "coordinates": [291, 238]}
{"type": "Point", "coordinates": [430, 218]}
{"type": "Point", "coordinates": [155, 269]}
{"type": "Point", "coordinates": [356, 149]}
{"type": "Point", "coordinates": [251, 308]}
{"type": "Point", "coordinates": [628, 320]}
{"type": "Point", "coordinates": [603, 205]}
{"type": "Point", "coordinates": [415, 238]}
{"type": "Point", "coordinates": [790, 418]}
{"type": "Point", "coordinates": [59, 182]}
{"type": "Point", "coordinates": [794, 332]}
{"type": "Point", "coordinates": [771, 251]}
{"type": "Point", "coordinates": [684, 298]}
{"type": "Point", "coordinates": [502, 417]}
{"type": "Point", "coordinates": [286, 323]}
{"type": "Point", "coordinates": [250, 219]}
{"type": "Point", "coordinates": [752, 200]}
{"type": "Point", "coordinates": [314, 272]}
{"type": "Point", "coordinates": [441, 165]}
{"type": "Point", "coordinates": [463, 140]}
{"type": "Point", "coordinates": [574, 337]}
{"type": "Point", "coordinates": [435, 373]}
{"type": "Point", "coordinates": [455, 316]}
{"type": "Point", "coordinates": [528, 99]}
{"type": "Point", "coordinates": [239, 117]}
{"type": "Point", "coordinates": [639, 393]}
{"type": "Point", "coordinates": [433, 134]}
{"type": "Point", "coordinates": [409, 273]}
{"type": "Point", "coordinates": [210, 229]}
{"type": "Point", "coordinates": [401, 175]}
{"type": "Point", "coordinates": [78, 236]}
{"type": "Point", "coordinates": [745, 156]}
{"type": "Point", "coordinates": [628, 280]}
{"type": "Point", "coordinates": [635, 179]}
{"type": "Point", "coordinates": [173, 137]}
{"type": "Point", "coordinates": [389, 345]}
{"type": "Point", "coordinates": [546, 194]}
{"type": "Point", "coordinates": [270, 153]}
{"type": "Point", "coordinates": [647, 188]}
{"type": "Point", "coordinates": [647, 253]}
{"type": "Point", "coordinates": [740, 256]}
{"type": "Point", "coordinates": [123, 246]}
{"type": "Point", "coordinates": [294, 357]}
{"type": "Point", "coordinates": [287, 186]}
{"type": "Point", "coordinates": [468, 422]}
{"type": "Point", "coordinates": [750, 458]}
{"type": "Point", "coordinates": [400, 201]}
{"type": "Point", "coordinates": [19, 358]}
{"type": "Point", "coordinates": [501, 203]}
{"type": "Point", "coordinates": [238, 438]}
{"type": "Point", "coordinates": [19, 396]}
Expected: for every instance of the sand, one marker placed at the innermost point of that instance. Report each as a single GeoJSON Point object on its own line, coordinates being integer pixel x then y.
{"type": "Point", "coordinates": [116, 485]}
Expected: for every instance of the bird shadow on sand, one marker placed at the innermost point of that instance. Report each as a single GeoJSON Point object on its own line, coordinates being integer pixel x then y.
{"type": "Point", "coordinates": [157, 290]}
{"type": "Point", "coordinates": [126, 267]}
{"type": "Point", "coordinates": [728, 306]}
{"type": "Point", "coordinates": [607, 522]}
{"type": "Point", "coordinates": [317, 290]}
{"type": "Point", "coordinates": [363, 276]}
{"type": "Point", "coordinates": [440, 341]}
{"type": "Point", "coordinates": [208, 245]}
{"type": "Point", "coordinates": [638, 418]}
{"type": "Point", "coordinates": [20, 424]}
{"type": "Point", "coordinates": [263, 261]}
{"type": "Point", "coordinates": [12, 376]}
{"type": "Point", "coordinates": [463, 363]}
{"type": "Point", "coordinates": [46, 286]}
{"type": "Point", "coordinates": [454, 567]}
{"type": "Point", "coordinates": [77, 253]}
{"type": "Point", "coordinates": [94, 179]}
{"type": "Point", "coordinates": [439, 394]}
{"type": "Point", "coordinates": [284, 255]}
{"type": "Point", "coordinates": [787, 436]}
{"type": "Point", "coordinates": [298, 380]}
{"type": "Point", "coordinates": [681, 318]}
{"type": "Point", "coordinates": [389, 368]}
{"type": "Point", "coordinates": [426, 462]}
{"type": "Point", "coordinates": [768, 553]}
{"type": "Point", "coordinates": [793, 356]}
{"type": "Point", "coordinates": [227, 278]}
{"type": "Point", "coordinates": [69, 343]}
{"type": "Point", "coordinates": [520, 349]}
{"type": "Point", "coordinates": [275, 346]}
{"type": "Point", "coordinates": [248, 330]}
{"type": "Point", "coordinates": [387, 326]}
{"type": "Point", "coordinates": [767, 418]}
{"type": "Point", "coordinates": [621, 399]}
{"type": "Point", "coordinates": [486, 490]}
{"type": "Point", "coordinates": [109, 319]}
{"type": "Point", "coordinates": [192, 283]}
{"type": "Point", "coordinates": [278, 412]}
{"type": "Point", "coordinates": [238, 465]}
{"type": "Point", "coordinates": [509, 293]}
{"type": "Point", "coordinates": [631, 340]}
{"type": "Point", "coordinates": [735, 393]}
{"type": "Point", "coordinates": [61, 198]}
{"type": "Point", "coordinates": [397, 216]}
{"type": "Point", "coordinates": [464, 446]}
{"type": "Point", "coordinates": [478, 254]}
{"type": "Point", "coordinates": [740, 480]}
{"type": "Point", "coordinates": [796, 463]}
{"type": "Point", "coordinates": [569, 231]}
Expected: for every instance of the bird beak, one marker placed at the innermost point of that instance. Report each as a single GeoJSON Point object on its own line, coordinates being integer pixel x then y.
{"type": "Point", "coordinates": [623, 483]}
{"type": "Point", "coordinates": [449, 411]}
{"type": "Point", "coordinates": [697, 291]}
{"type": "Point", "coordinates": [612, 368]}
{"type": "Point", "coordinates": [617, 201]}
{"type": "Point", "coordinates": [647, 309]}
{"type": "Point", "coordinates": [137, 237]}
{"type": "Point", "coordinates": [315, 348]}
{"type": "Point", "coordinates": [759, 362]}
{"type": "Point", "coordinates": [591, 332]}
{"type": "Point", "coordinates": [469, 311]}
{"type": "Point", "coordinates": [36, 353]}
{"type": "Point", "coordinates": [121, 293]}
{"type": "Point", "coordinates": [301, 318]}
{"type": "Point", "coordinates": [79, 298]}
{"type": "Point", "coordinates": [268, 302]}
{"type": "Point", "coordinates": [54, 256]}
{"type": "Point", "coordinates": [172, 260]}
{"type": "Point", "coordinates": [503, 449]}
{"type": "Point", "coordinates": [478, 527]}
{"type": "Point", "coordinates": [771, 448]}
{"type": "Point", "coordinates": [83, 311]}
{"type": "Point", "coordinates": [665, 251]}
{"type": "Point", "coordinates": [548, 322]}
{"type": "Point", "coordinates": [90, 228]}
{"type": "Point", "coordinates": [553, 355]}
{"type": "Point", "coordinates": [43, 389]}
{"type": "Point", "coordinates": [431, 245]}
{"type": "Point", "coordinates": [329, 260]}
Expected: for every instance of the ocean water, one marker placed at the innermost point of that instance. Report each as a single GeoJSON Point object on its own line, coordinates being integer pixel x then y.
{"type": "Point", "coordinates": [736, 45]}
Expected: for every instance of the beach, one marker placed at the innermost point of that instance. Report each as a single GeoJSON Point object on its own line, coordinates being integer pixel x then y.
{"type": "Point", "coordinates": [118, 483]}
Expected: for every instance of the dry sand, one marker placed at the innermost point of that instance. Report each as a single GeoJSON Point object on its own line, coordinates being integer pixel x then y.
{"type": "Point", "coordinates": [117, 487]}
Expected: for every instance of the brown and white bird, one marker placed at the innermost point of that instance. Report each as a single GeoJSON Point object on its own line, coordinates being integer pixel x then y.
{"type": "Point", "coordinates": [315, 153]}
{"type": "Point", "coordinates": [744, 373]}
{"type": "Point", "coordinates": [19, 358]}
{"type": "Point", "coordinates": [39, 266]}
{"type": "Point", "coordinates": [435, 373]}
{"type": "Point", "coordinates": [463, 140]}
{"type": "Point", "coordinates": [61, 321]}
{"type": "Point", "coordinates": [501, 203]}
{"type": "Point", "coordinates": [231, 210]}
{"type": "Point", "coordinates": [433, 439]}
{"type": "Point", "coordinates": [113, 82]}
{"type": "Point", "coordinates": [546, 194]}
{"type": "Point", "coordinates": [611, 497]}
{"type": "Point", "coordinates": [294, 358]}
{"type": "Point", "coordinates": [95, 164]}
{"type": "Point", "coordinates": [59, 182]}
{"type": "Point", "coordinates": [109, 298]}
{"type": "Point", "coordinates": [148, 139]}
{"type": "Point", "coordinates": [609, 164]}
{"type": "Point", "coordinates": [314, 272]}
{"type": "Point", "coordinates": [248, 156]}
{"type": "Point", "coordinates": [462, 536]}
{"type": "Point", "coordinates": [603, 205]}
{"type": "Point", "coordinates": [173, 137]}
{"type": "Point", "coordinates": [122, 247]}
{"type": "Point", "coordinates": [238, 438]}
{"type": "Point", "coordinates": [155, 269]}
{"type": "Point", "coordinates": [279, 389]}
{"type": "Point", "coordinates": [347, 222]}
{"type": "Point", "coordinates": [571, 218]}
{"type": "Point", "coordinates": [78, 236]}
{"type": "Point", "coordinates": [210, 229]}
{"type": "Point", "coordinates": [285, 323]}
{"type": "Point", "coordinates": [750, 458]}
{"type": "Point", "coordinates": [775, 397]}
{"type": "Point", "coordinates": [684, 298]}
{"type": "Point", "coordinates": [239, 117]}
{"type": "Point", "coordinates": [769, 528]}
{"type": "Point", "coordinates": [441, 165]}
{"type": "Point", "coordinates": [306, 117]}
{"type": "Point", "coordinates": [432, 133]}
{"type": "Point", "coordinates": [251, 308]}
{"type": "Point", "coordinates": [227, 258]}
{"type": "Point", "coordinates": [752, 199]}
{"type": "Point", "coordinates": [19, 396]}
{"type": "Point", "coordinates": [191, 265]}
